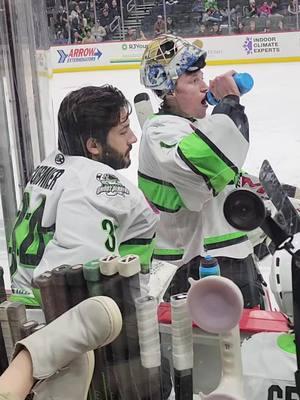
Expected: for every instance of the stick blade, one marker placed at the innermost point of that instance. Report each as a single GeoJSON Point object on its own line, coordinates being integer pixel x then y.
{"type": "Point", "coordinates": [280, 199]}
{"type": "Point", "coordinates": [143, 107]}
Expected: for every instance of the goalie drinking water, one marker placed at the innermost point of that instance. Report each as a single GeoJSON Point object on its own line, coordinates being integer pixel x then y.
{"type": "Point", "coordinates": [189, 162]}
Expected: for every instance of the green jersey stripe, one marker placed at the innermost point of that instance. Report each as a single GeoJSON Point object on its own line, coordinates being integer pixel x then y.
{"type": "Point", "coordinates": [168, 254]}
{"type": "Point", "coordinates": [216, 150]}
{"type": "Point", "coordinates": [216, 170]}
{"type": "Point", "coordinates": [224, 240]}
{"type": "Point", "coordinates": [163, 195]}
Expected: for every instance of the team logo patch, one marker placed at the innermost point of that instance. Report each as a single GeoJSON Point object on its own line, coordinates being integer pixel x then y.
{"type": "Point", "coordinates": [110, 186]}
{"type": "Point", "coordinates": [59, 158]}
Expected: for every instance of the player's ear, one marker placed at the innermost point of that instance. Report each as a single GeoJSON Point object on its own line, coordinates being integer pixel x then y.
{"type": "Point", "coordinates": [93, 147]}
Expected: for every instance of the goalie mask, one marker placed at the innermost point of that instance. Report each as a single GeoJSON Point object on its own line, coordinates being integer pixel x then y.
{"type": "Point", "coordinates": [166, 59]}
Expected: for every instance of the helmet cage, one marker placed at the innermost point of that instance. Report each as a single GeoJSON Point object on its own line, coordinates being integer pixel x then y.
{"type": "Point", "coordinates": [166, 59]}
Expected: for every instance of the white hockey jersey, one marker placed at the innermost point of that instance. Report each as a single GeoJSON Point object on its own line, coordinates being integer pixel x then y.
{"type": "Point", "coordinates": [186, 169]}
{"type": "Point", "coordinates": [74, 210]}
{"type": "Point", "coordinates": [268, 369]}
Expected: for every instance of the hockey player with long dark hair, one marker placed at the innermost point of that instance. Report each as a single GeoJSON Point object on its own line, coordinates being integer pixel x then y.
{"type": "Point", "coordinates": [76, 206]}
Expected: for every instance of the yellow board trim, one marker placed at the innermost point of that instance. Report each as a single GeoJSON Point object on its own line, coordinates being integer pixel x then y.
{"type": "Point", "coordinates": [254, 60]}
{"type": "Point", "coordinates": [96, 68]}
{"type": "Point", "coordinates": [211, 62]}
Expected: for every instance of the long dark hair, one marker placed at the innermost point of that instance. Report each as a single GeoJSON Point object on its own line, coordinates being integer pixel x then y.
{"type": "Point", "coordinates": [89, 112]}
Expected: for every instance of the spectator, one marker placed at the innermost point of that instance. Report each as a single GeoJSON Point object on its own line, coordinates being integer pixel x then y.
{"type": "Point", "coordinates": [279, 27]}
{"type": "Point", "coordinates": [114, 12]}
{"type": "Point", "coordinates": [98, 32]}
{"type": "Point", "coordinates": [198, 8]}
{"type": "Point", "coordinates": [264, 10]}
{"type": "Point", "coordinates": [62, 13]}
{"type": "Point", "coordinates": [240, 28]}
{"type": "Point", "coordinates": [141, 35]}
{"type": "Point", "coordinates": [106, 7]}
{"type": "Point", "coordinates": [105, 21]}
{"type": "Point", "coordinates": [76, 36]}
{"type": "Point", "coordinates": [274, 8]}
{"type": "Point", "coordinates": [292, 7]}
{"type": "Point", "coordinates": [251, 10]}
{"type": "Point", "coordinates": [236, 15]}
{"type": "Point", "coordinates": [170, 26]}
{"type": "Point", "coordinates": [267, 28]}
{"type": "Point", "coordinates": [61, 19]}
{"type": "Point", "coordinates": [76, 17]}
{"type": "Point", "coordinates": [159, 26]}
{"type": "Point", "coordinates": [202, 30]}
{"type": "Point", "coordinates": [252, 26]}
{"type": "Point", "coordinates": [213, 15]}
{"type": "Point", "coordinates": [215, 29]}
{"type": "Point", "coordinates": [131, 34]}
{"type": "Point", "coordinates": [225, 14]}
{"type": "Point", "coordinates": [89, 38]}
{"type": "Point", "coordinates": [60, 39]}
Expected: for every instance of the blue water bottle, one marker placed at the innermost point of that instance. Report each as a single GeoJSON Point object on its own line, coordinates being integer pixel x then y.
{"type": "Point", "coordinates": [208, 266]}
{"type": "Point", "coordinates": [244, 82]}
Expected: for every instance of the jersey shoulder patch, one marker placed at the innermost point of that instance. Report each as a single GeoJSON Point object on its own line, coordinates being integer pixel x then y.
{"type": "Point", "coordinates": [110, 185]}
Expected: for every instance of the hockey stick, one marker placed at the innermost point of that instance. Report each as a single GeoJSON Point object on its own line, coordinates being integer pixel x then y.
{"type": "Point", "coordinates": [27, 328]}
{"type": "Point", "coordinates": [62, 296]}
{"type": "Point", "coordinates": [182, 347]}
{"type": "Point", "coordinates": [12, 316]}
{"type": "Point", "coordinates": [149, 340]}
{"type": "Point", "coordinates": [77, 288]}
{"type": "Point", "coordinates": [251, 182]}
{"type": "Point", "coordinates": [3, 296]}
{"type": "Point", "coordinates": [47, 292]}
{"type": "Point", "coordinates": [112, 287]}
{"type": "Point", "coordinates": [76, 284]}
{"type": "Point", "coordinates": [129, 270]}
{"type": "Point", "coordinates": [103, 385]}
{"type": "Point", "coordinates": [279, 198]}
{"type": "Point", "coordinates": [216, 305]}
{"type": "Point", "coordinates": [91, 273]}
{"type": "Point", "coordinates": [3, 355]}
{"type": "Point", "coordinates": [143, 107]}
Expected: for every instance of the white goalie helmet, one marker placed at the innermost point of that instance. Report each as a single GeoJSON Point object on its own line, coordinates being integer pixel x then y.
{"type": "Point", "coordinates": [281, 278]}
{"type": "Point", "coordinates": [166, 58]}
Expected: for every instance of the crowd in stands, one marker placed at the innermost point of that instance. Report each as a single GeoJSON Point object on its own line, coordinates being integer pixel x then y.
{"type": "Point", "coordinates": [85, 21]}
{"type": "Point", "coordinates": [96, 20]}
{"type": "Point", "coordinates": [212, 17]}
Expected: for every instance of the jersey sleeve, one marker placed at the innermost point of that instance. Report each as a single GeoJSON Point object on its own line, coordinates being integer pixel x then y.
{"type": "Point", "coordinates": [138, 235]}
{"type": "Point", "coordinates": [195, 163]}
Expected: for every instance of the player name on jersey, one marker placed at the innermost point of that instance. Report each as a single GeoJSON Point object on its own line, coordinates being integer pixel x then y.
{"type": "Point", "coordinates": [46, 177]}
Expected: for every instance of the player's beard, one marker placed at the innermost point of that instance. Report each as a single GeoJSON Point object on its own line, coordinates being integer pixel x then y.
{"type": "Point", "coordinates": [114, 158]}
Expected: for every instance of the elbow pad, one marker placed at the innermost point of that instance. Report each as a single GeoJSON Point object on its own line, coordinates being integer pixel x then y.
{"type": "Point", "coordinates": [230, 105]}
